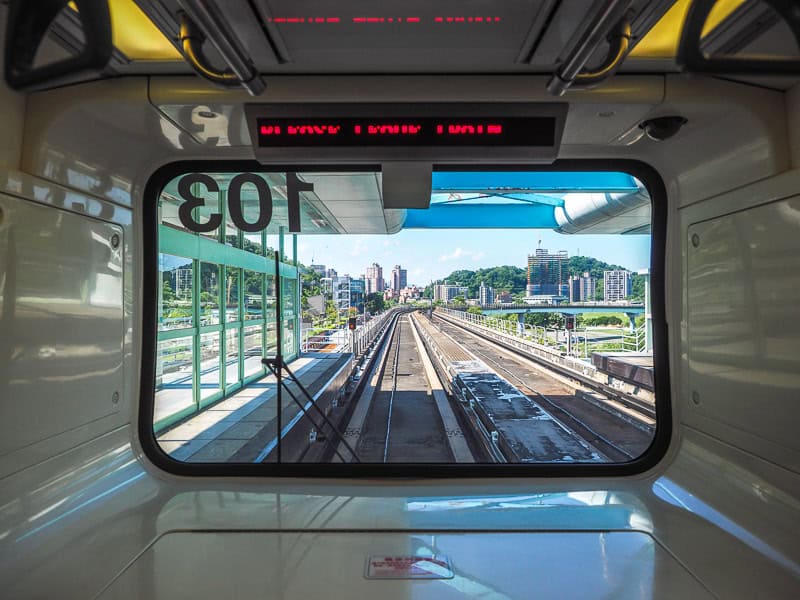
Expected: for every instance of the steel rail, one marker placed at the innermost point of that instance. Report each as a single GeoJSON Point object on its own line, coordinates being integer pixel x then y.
{"type": "Point", "coordinates": [634, 404]}
{"type": "Point", "coordinates": [396, 340]}
{"type": "Point", "coordinates": [555, 407]}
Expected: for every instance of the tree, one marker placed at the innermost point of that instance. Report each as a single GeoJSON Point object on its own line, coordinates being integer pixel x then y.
{"type": "Point", "coordinates": [331, 314]}
{"type": "Point", "coordinates": [578, 265]}
{"type": "Point", "coordinates": [637, 288]}
{"type": "Point", "coordinates": [208, 299]}
{"type": "Point", "coordinates": [507, 278]}
{"type": "Point", "coordinates": [474, 310]}
{"type": "Point", "coordinates": [167, 295]}
{"type": "Point", "coordinates": [375, 303]}
{"type": "Point", "coordinates": [548, 319]}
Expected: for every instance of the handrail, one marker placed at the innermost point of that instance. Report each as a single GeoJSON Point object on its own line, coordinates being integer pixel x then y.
{"type": "Point", "coordinates": [203, 19]}
{"type": "Point", "coordinates": [608, 23]}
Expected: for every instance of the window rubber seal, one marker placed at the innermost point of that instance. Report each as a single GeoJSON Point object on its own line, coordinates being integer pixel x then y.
{"type": "Point", "coordinates": [649, 459]}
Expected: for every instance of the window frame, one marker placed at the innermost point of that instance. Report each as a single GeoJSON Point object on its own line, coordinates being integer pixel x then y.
{"type": "Point", "coordinates": [428, 471]}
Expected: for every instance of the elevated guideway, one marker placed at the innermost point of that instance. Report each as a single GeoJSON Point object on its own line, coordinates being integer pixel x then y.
{"type": "Point", "coordinates": [595, 377]}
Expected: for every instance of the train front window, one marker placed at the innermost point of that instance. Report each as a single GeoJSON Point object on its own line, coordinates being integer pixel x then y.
{"type": "Point", "coordinates": [513, 325]}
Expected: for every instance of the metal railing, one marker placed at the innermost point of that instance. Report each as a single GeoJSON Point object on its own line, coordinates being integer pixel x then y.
{"type": "Point", "coordinates": [502, 333]}
{"type": "Point", "coordinates": [554, 339]}
{"type": "Point", "coordinates": [636, 341]}
{"type": "Point", "coordinates": [582, 370]}
{"type": "Point", "coordinates": [343, 339]}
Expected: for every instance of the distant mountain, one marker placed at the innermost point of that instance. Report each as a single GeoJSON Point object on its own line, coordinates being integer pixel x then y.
{"type": "Point", "coordinates": [168, 262]}
{"type": "Point", "coordinates": [514, 279]}
{"type": "Point", "coordinates": [505, 278]}
{"type": "Point", "coordinates": [578, 265]}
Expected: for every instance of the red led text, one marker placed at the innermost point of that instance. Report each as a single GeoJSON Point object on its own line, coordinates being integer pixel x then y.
{"type": "Point", "coordinates": [387, 129]}
{"type": "Point", "coordinates": [301, 129]}
{"type": "Point", "coordinates": [469, 129]}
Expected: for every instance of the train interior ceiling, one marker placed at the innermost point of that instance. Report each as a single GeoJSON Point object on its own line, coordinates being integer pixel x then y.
{"type": "Point", "coordinates": [171, 424]}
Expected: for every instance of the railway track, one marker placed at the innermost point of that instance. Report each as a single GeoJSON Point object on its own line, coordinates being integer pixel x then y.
{"type": "Point", "coordinates": [402, 423]}
{"type": "Point", "coordinates": [639, 409]}
{"type": "Point", "coordinates": [609, 431]}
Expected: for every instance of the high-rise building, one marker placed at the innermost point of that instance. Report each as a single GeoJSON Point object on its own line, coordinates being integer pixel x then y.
{"type": "Point", "coordinates": [504, 297]}
{"type": "Point", "coordinates": [374, 279]}
{"type": "Point", "coordinates": [581, 289]}
{"type": "Point", "coordinates": [327, 285]}
{"type": "Point", "coordinates": [318, 269]}
{"type": "Point", "coordinates": [485, 295]}
{"type": "Point", "coordinates": [357, 287]}
{"type": "Point", "coordinates": [183, 282]}
{"type": "Point", "coordinates": [547, 273]}
{"type": "Point", "coordinates": [341, 292]}
{"type": "Point", "coordinates": [331, 273]}
{"type": "Point", "coordinates": [399, 278]}
{"type": "Point", "coordinates": [410, 293]}
{"type": "Point", "coordinates": [446, 292]}
{"type": "Point", "coordinates": [616, 285]}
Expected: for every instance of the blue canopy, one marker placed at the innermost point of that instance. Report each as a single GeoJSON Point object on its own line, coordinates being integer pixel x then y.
{"type": "Point", "coordinates": [507, 199]}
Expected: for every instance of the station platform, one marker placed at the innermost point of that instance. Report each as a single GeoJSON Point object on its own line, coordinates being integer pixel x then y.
{"type": "Point", "coordinates": [243, 427]}
{"type": "Point", "coordinates": [636, 369]}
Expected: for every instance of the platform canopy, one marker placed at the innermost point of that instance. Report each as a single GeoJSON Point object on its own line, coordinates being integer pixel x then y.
{"type": "Point", "coordinates": [532, 199]}
{"type": "Point", "coordinates": [354, 202]}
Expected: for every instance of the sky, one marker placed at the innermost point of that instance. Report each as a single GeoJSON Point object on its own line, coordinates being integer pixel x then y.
{"type": "Point", "coordinates": [429, 254]}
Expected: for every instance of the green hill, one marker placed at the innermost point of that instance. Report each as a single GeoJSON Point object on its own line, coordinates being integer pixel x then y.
{"type": "Point", "coordinates": [514, 279]}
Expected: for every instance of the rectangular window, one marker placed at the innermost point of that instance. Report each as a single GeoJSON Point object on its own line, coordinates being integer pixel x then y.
{"type": "Point", "coordinates": [232, 299]}
{"type": "Point", "coordinates": [253, 295]}
{"type": "Point", "coordinates": [209, 367]}
{"type": "Point", "coordinates": [514, 326]}
{"type": "Point", "coordinates": [174, 378]}
{"type": "Point", "coordinates": [253, 242]}
{"type": "Point", "coordinates": [253, 350]}
{"type": "Point", "coordinates": [209, 294]}
{"type": "Point", "coordinates": [232, 358]}
{"type": "Point", "coordinates": [177, 281]}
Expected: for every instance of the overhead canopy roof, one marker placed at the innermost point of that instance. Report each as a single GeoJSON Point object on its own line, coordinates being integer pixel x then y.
{"type": "Point", "coordinates": [570, 202]}
{"type": "Point", "coordinates": [352, 202]}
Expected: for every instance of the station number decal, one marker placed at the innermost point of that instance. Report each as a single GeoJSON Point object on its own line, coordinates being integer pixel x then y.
{"type": "Point", "coordinates": [191, 201]}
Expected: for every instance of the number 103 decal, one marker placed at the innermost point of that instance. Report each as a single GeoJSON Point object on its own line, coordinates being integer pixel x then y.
{"type": "Point", "coordinates": [190, 201]}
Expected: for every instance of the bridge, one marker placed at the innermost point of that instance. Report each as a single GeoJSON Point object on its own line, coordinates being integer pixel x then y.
{"type": "Point", "coordinates": [564, 308]}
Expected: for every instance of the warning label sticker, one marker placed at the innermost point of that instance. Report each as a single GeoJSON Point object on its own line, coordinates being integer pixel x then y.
{"type": "Point", "coordinates": [408, 567]}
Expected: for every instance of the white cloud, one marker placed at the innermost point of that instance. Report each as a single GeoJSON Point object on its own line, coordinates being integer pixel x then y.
{"type": "Point", "coordinates": [461, 253]}
{"type": "Point", "coordinates": [358, 249]}
{"type": "Point", "coordinates": [457, 253]}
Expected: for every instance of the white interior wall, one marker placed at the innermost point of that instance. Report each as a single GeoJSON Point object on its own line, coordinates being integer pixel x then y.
{"type": "Point", "coordinates": [13, 111]}
{"type": "Point", "coordinates": [83, 506]}
{"type": "Point", "coordinates": [105, 138]}
{"type": "Point", "coordinates": [793, 122]}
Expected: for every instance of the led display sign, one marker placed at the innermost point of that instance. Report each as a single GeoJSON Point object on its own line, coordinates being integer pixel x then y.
{"type": "Point", "coordinates": [368, 132]}
{"type": "Point", "coordinates": [334, 132]}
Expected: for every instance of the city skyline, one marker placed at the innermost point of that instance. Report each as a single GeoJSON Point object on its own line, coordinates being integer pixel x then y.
{"type": "Point", "coordinates": [429, 256]}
